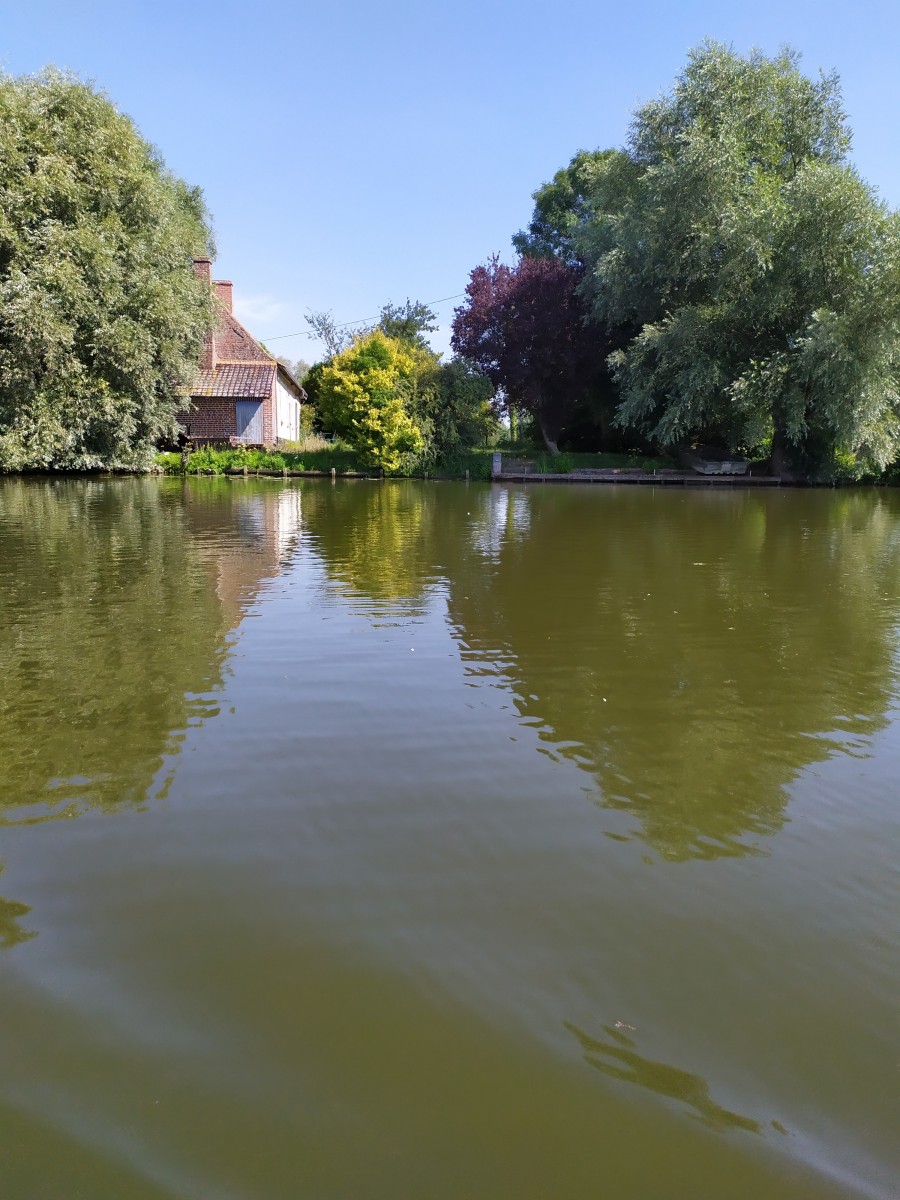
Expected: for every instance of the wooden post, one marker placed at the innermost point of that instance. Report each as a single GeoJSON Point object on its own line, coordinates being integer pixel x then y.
{"type": "Point", "coordinates": [333, 474]}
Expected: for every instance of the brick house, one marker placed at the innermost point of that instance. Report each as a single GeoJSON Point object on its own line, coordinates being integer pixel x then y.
{"type": "Point", "coordinates": [240, 395]}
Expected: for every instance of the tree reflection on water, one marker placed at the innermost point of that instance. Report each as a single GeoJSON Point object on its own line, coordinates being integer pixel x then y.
{"type": "Point", "coordinates": [692, 652]}
{"type": "Point", "coordinates": [11, 914]}
{"type": "Point", "coordinates": [119, 597]}
{"type": "Point", "coordinates": [620, 1060]}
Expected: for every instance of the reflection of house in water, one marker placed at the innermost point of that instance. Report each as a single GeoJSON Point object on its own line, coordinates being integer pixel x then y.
{"type": "Point", "coordinates": [262, 526]}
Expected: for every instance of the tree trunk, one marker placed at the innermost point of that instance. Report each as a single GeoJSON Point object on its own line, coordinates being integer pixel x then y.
{"type": "Point", "coordinates": [549, 441]}
{"type": "Point", "coordinates": [778, 462]}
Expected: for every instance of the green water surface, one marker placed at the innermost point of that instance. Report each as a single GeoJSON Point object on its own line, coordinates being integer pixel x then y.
{"type": "Point", "coordinates": [373, 841]}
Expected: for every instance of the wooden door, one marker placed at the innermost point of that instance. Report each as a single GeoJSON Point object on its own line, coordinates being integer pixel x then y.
{"type": "Point", "coordinates": [249, 415]}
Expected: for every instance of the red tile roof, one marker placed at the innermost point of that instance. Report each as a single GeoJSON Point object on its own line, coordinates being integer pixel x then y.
{"type": "Point", "coordinates": [252, 380]}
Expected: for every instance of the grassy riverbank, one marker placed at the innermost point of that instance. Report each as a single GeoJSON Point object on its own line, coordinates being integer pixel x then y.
{"type": "Point", "coordinates": [340, 459]}
{"type": "Point", "coordinates": [321, 457]}
{"type": "Point", "coordinates": [206, 460]}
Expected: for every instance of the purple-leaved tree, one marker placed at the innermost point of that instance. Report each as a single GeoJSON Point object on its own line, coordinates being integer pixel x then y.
{"type": "Point", "coordinates": [527, 329]}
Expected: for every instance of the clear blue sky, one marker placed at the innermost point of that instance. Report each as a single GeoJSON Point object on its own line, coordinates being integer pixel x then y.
{"type": "Point", "coordinates": [358, 152]}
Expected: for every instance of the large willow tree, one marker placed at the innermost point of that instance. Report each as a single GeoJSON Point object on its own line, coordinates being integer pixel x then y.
{"type": "Point", "coordinates": [762, 273]}
{"type": "Point", "coordinates": [101, 318]}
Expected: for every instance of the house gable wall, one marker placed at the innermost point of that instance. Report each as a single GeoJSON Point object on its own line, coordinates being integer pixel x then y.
{"type": "Point", "coordinates": [235, 344]}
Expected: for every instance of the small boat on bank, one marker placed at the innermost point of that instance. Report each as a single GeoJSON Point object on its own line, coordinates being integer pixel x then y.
{"type": "Point", "coordinates": [709, 460]}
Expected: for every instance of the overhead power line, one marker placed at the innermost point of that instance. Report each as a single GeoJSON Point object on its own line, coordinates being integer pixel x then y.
{"type": "Point", "coordinates": [310, 333]}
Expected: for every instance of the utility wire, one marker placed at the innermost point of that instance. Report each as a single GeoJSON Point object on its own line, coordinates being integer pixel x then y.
{"type": "Point", "coordinates": [310, 333]}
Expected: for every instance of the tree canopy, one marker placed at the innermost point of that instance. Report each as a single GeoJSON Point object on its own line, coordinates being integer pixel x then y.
{"type": "Point", "coordinates": [559, 209]}
{"type": "Point", "coordinates": [409, 322]}
{"type": "Point", "coordinates": [363, 396]}
{"type": "Point", "coordinates": [526, 328]}
{"type": "Point", "coordinates": [762, 273]}
{"type": "Point", "coordinates": [738, 278]}
{"type": "Point", "coordinates": [101, 318]}
{"type": "Point", "coordinates": [334, 337]}
{"type": "Point", "coordinates": [389, 395]}
{"type": "Point", "coordinates": [450, 402]}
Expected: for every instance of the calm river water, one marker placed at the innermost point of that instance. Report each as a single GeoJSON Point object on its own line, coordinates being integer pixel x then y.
{"type": "Point", "coordinates": [456, 842]}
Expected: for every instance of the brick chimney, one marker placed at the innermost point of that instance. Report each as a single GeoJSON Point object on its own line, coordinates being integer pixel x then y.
{"type": "Point", "coordinates": [203, 268]}
{"type": "Point", "coordinates": [223, 293]}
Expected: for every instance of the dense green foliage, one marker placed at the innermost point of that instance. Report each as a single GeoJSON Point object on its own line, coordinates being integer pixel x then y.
{"type": "Point", "coordinates": [390, 397]}
{"type": "Point", "coordinates": [726, 277]}
{"type": "Point", "coordinates": [527, 329]}
{"type": "Point", "coordinates": [560, 207]}
{"type": "Point", "coordinates": [364, 396]}
{"type": "Point", "coordinates": [764, 274]}
{"type": "Point", "coordinates": [408, 322]}
{"type": "Point", "coordinates": [207, 460]}
{"type": "Point", "coordinates": [453, 409]}
{"type": "Point", "coordinates": [100, 314]}
{"type": "Point", "coordinates": [743, 280]}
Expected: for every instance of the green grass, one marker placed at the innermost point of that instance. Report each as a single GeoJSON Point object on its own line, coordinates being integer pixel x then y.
{"type": "Point", "coordinates": [554, 464]}
{"type": "Point", "coordinates": [320, 456]}
{"type": "Point", "coordinates": [168, 462]}
{"type": "Point", "coordinates": [564, 463]}
{"type": "Point", "coordinates": [210, 461]}
{"type": "Point", "coordinates": [477, 462]}
{"type": "Point", "coordinates": [632, 459]}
